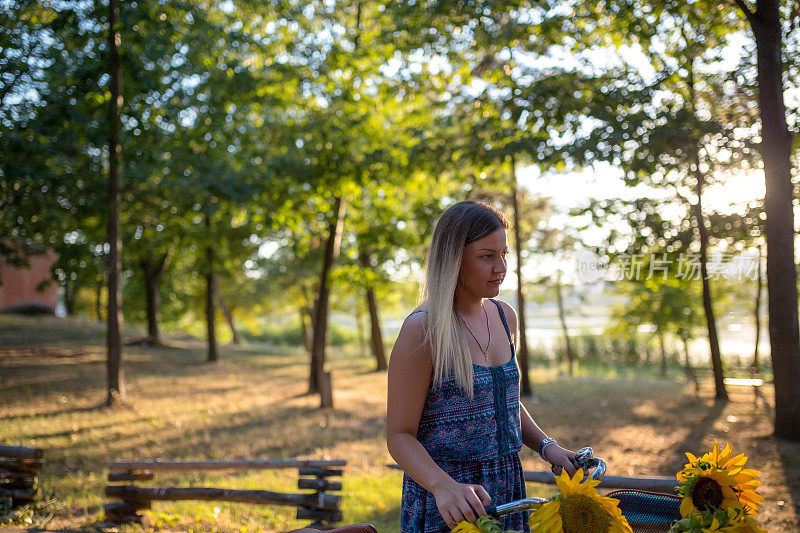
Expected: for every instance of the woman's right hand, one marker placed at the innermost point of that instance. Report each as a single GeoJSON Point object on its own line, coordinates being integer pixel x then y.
{"type": "Point", "coordinates": [461, 501]}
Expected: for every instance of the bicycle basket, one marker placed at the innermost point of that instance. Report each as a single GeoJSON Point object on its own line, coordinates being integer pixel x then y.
{"type": "Point", "coordinates": [648, 512]}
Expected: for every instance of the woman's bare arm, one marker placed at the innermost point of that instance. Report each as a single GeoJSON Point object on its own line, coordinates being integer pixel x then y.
{"type": "Point", "coordinates": [532, 434]}
{"type": "Point", "coordinates": [410, 370]}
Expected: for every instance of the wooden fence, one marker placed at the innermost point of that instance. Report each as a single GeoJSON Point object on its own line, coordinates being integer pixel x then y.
{"type": "Point", "coordinates": [19, 470]}
{"type": "Point", "coordinates": [320, 506]}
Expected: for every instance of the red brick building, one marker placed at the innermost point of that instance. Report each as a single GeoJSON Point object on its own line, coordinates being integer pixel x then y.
{"type": "Point", "coordinates": [18, 285]}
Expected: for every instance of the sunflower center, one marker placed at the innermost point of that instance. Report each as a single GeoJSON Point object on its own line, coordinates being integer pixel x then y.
{"type": "Point", "coordinates": [582, 514]}
{"type": "Point", "coordinates": [706, 493]}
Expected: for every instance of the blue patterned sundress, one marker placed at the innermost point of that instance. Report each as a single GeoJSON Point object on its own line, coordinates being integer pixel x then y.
{"type": "Point", "coordinates": [474, 440]}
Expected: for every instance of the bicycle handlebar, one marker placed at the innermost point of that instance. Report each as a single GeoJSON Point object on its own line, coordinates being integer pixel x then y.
{"type": "Point", "coordinates": [584, 458]}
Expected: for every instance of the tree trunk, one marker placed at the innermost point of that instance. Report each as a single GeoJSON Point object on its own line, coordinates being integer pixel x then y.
{"type": "Point", "coordinates": [522, 355]}
{"type": "Point", "coordinates": [98, 305]}
{"type": "Point", "coordinates": [775, 148]}
{"type": "Point", "coordinates": [152, 271]}
{"type": "Point", "coordinates": [563, 320]}
{"type": "Point", "coordinates": [210, 311]}
{"type": "Point", "coordinates": [687, 366]}
{"type": "Point", "coordinates": [362, 337]}
{"type": "Point", "coordinates": [376, 337]}
{"type": "Point", "coordinates": [320, 380]}
{"type": "Point", "coordinates": [151, 301]}
{"type": "Point", "coordinates": [663, 353]}
{"type": "Point", "coordinates": [306, 337]}
{"type": "Point", "coordinates": [115, 377]}
{"type": "Point", "coordinates": [756, 314]}
{"type": "Point", "coordinates": [308, 309]}
{"type": "Point", "coordinates": [226, 312]}
{"type": "Point", "coordinates": [70, 290]}
{"type": "Point", "coordinates": [687, 363]}
{"type": "Point", "coordinates": [711, 323]}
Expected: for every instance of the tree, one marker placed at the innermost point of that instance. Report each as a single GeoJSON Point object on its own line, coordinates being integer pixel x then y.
{"type": "Point", "coordinates": [390, 221]}
{"type": "Point", "coordinates": [644, 23]}
{"type": "Point", "coordinates": [665, 300]}
{"type": "Point", "coordinates": [530, 232]}
{"type": "Point", "coordinates": [744, 232]}
{"type": "Point", "coordinates": [641, 120]}
{"type": "Point", "coordinates": [116, 381]}
{"type": "Point", "coordinates": [523, 334]}
{"type": "Point", "coordinates": [320, 377]}
{"type": "Point", "coordinates": [775, 148]}
{"type": "Point", "coordinates": [348, 121]}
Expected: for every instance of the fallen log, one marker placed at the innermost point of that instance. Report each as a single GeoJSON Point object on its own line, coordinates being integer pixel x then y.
{"type": "Point", "coordinates": [21, 465]}
{"type": "Point", "coordinates": [116, 519]}
{"type": "Point", "coordinates": [320, 472]}
{"type": "Point", "coordinates": [20, 452]}
{"type": "Point", "coordinates": [5, 474]}
{"type": "Point", "coordinates": [124, 508]}
{"type": "Point", "coordinates": [141, 494]}
{"type": "Point", "coordinates": [19, 484]}
{"type": "Point", "coordinates": [304, 513]}
{"type": "Point", "coordinates": [130, 476]}
{"type": "Point", "coordinates": [18, 495]}
{"type": "Point", "coordinates": [124, 466]}
{"type": "Point", "coordinates": [319, 484]}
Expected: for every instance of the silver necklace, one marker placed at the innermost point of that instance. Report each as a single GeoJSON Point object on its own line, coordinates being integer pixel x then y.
{"type": "Point", "coordinates": [486, 351]}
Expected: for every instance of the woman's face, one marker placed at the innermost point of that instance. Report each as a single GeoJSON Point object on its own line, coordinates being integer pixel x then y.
{"type": "Point", "coordinates": [483, 265]}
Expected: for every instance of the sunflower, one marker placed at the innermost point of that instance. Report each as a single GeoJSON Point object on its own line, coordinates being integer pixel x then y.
{"type": "Point", "coordinates": [718, 481]}
{"type": "Point", "coordinates": [719, 520]}
{"type": "Point", "coordinates": [713, 489]}
{"type": "Point", "coordinates": [579, 509]}
{"type": "Point", "coordinates": [465, 527]}
{"type": "Point", "coordinates": [746, 525]}
{"type": "Point", "coordinates": [484, 524]}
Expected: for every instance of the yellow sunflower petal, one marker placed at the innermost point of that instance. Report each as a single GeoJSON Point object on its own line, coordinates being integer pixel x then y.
{"type": "Point", "coordinates": [687, 508]}
{"type": "Point", "coordinates": [466, 527]}
{"type": "Point", "coordinates": [718, 480]}
{"type": "Point", "coordinates": [546, 518]}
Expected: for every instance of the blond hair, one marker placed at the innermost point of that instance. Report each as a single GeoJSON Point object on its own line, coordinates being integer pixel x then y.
{"type": "Point", "coordinates": [461, 224]}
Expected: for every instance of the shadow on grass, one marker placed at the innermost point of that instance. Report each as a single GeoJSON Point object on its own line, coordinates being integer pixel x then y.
{"type": "Point", "coordinates": [57, 412]}
{"type": "Point", "coordinates": [789, 454]}
{"type": "Point", "coordinates": [699, 429]}
{"type": "Point", "coordinates": [76, 433]}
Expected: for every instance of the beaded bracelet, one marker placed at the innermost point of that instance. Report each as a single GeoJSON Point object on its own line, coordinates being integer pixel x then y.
{"type": "Point", "coordinates": [547, 441]}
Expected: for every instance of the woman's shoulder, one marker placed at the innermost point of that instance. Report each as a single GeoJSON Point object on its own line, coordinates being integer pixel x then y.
{"type": "Point", "coordinates": [416, 321]}
{"type": "Point", "coordinates": [508, 311]}
{"type": "Point", "coordinates": [420, 310]}
{"type": "Point", "coordinates": [412, 337]}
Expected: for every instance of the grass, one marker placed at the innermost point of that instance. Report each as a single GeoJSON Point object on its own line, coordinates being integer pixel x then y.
{"type": "Point", "coordinates": [252, 404]}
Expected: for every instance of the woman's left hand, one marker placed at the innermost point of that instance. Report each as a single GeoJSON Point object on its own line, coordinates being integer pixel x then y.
{"type": "Point", "coordinates": [560, 458]}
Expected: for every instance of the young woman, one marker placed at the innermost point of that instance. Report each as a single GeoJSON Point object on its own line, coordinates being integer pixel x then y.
{"type": "Point", "coordinates": [455, 424]}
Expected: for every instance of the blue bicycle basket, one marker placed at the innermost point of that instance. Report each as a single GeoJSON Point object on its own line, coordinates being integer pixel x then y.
{"type": "Point", "coordinates": [648, 512]}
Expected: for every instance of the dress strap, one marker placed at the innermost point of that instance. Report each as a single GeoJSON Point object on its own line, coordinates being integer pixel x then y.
{"type": "Point", "coordinates": [505, 325]}
{"type": "Point", "coordinates": [418, 311]}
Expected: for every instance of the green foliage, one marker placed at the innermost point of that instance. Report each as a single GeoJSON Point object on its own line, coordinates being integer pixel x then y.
{"type": "Point", "coordinates": [241, 121]}
{"type": "Point", "coordinates": [291, 335]}
{"type": "Point", "coordinates": [623, 349]}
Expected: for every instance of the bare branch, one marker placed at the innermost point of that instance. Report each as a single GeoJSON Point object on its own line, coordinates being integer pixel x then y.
{"type": "Point", "coordinates": [746, 10]}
